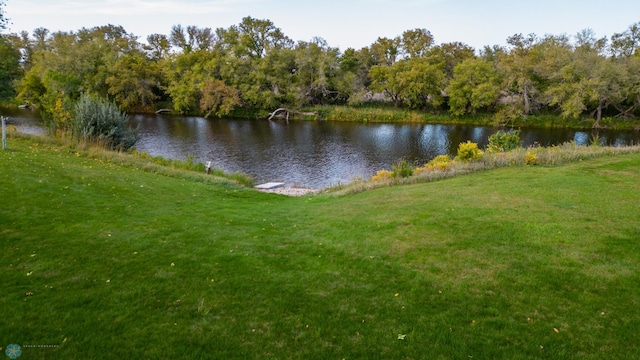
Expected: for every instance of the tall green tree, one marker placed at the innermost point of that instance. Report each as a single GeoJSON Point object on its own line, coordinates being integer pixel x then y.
{"type": "Point", "coordinates": [385, 51]}
{"type": "Point", "coordinates": [450, 54]}
{"type": "Point", "coordinates": [218, 98]}
{"type": "Point", "coordinates": [315, 72]}
{"type": "Point", "coordinates": [10, 58]}
{"type": "Point", "coordinates": [134, 82]}
{"type": "Point", "coordinates": [424, 83]}
{"type": "Point", "coordinates": [353, 78]}
{"type": "Point", "coordinates": [517, 66]}
{"type": "Point", "coordinates": [158, 46]}
{"type": "Point", "coordinates": [629, 108]}
{"type": "Point", "coordinates": [69, 64]}
{"type": "Point", "coordinates": [416, 42]}
{"type": "Point", "coordinates": [187, 39]}
{"type": "Point", "coordinates": [589, 82]}
{"type": "Point", "coordinates": [258, 37]}
{"type": "Point", "coordinates": [385, 79]}
{"type": "Point", "coordinates": [10, 69]}
{"type": "Point", "coordinates": [626, 43]}
{"type": "Point", "coordinates": [476, 85]}
{"type": "Point", "coordinates": [186, 73]}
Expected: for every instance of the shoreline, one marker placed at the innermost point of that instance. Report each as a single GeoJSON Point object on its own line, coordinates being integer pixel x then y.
{"type": "Point", "coordinates": [290, 191]}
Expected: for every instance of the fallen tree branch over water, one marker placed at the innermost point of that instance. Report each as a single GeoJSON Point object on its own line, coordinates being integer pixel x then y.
{"type": "Point", "coordinates": [285, 113]}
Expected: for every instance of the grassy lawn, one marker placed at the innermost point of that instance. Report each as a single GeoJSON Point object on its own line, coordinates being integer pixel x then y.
{"type": "Point", "coordinates": [111, 261]}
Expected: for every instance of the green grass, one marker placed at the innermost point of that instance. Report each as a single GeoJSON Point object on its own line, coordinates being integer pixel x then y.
{"type": "Point", "coordinates": [123, 262]}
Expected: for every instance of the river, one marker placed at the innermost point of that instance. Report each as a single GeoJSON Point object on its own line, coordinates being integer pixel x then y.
{"type": "Point", "coordinates": [317, 154]}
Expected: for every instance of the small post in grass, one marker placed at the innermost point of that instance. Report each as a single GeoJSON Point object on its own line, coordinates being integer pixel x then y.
{"type": "Point", "coordinates": [4, 132]}
{"type": "Point", "coordinates": [208, 167]}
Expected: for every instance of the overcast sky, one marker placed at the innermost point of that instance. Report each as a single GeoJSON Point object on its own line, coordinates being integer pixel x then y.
{"type": "Point", "coordinates": [342, 23]}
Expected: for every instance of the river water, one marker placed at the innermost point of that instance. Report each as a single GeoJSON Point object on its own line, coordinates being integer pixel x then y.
{"type": "Point", "coordinates": [317, 154]}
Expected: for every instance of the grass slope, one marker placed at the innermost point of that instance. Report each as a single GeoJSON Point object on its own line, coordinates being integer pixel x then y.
{"type": "Point", "coordinates": [107, 261]}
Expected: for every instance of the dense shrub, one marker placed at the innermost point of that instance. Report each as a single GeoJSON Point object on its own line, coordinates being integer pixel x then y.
{"type": "Point", "coordinates": [382, 175]}
{"type": "Point", "coordinates": [402, 169]}
{"type": "Point", "coordinates": [98, 120]}
{"type": "Point", "coordinates": [469, 151]}
{"type": "Point", "coordinates": [504, 141]}
{"type": "Point", "coordinates": [530, 158]}
{"type": "Point", "coordinates": [440, 162]}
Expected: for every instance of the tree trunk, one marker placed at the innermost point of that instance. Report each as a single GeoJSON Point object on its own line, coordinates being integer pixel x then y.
{"type": "Point", "coordinates": [288, 112]}
{"type": "Point", "coordinates": [599, 112]}
{"type": "Point", "coordinates": [527, 105]}
{"type": "Point", "coordinates": [279, 110]}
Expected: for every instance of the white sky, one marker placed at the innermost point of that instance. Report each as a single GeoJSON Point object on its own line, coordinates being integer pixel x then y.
{"type": "Point", "coordinates": [342, 23]}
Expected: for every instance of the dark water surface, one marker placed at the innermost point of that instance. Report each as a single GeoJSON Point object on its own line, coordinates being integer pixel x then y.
{"type": "Point", "coordinates": [320, 154]}
{"type": "Point", "coordinates": [317, 154]}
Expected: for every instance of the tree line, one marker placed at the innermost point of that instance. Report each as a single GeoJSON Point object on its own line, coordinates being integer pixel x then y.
{"type": "Point", "coordinates": [254, 67]}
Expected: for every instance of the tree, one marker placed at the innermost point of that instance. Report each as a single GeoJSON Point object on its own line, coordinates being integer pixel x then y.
{"type": "Point", "coordinates": [586, 39]}
{"type": "Point", "coordinates": [424, 83]}
{"type": "Point", "coordinates": [218, 98]}
{"type": "Point", "coordinates": [385, 51]}
{"type": "Point", "coordinates": [10, 69]}
{"type": "Point", "coordinates": [9, 60]}
{"type": "Point", "coordinates": [189, 39]}
{"type": "Point", "coordinates": [178, 38]}
{"type": "Point", "coordinates": [158, 46]}
{"type": "Point", "coordinates": [258, 37]}
{"type": "Point", "coordinates": [315, 71]}
{"type": "Point", "coordinates": [384, 79]}
{"type": "Point", "coordinates": [134, 82]}
{"type": "Point", "coordinates": [185, 74]}
{"type": "Point", "coordinates": [588, 82]}
{"type": "Point", "coordinates": [475, 85]}
{"type": "Point", "coordinates": [626, 43]}
{"type": "Point", "coordinates": [451, 54]}
{"type": "Point", "coordinates": [417, 42]}
{"type": "Point", "coordinates": [632, 82]}
{"type": "Point", "coordinates": [351, 83]}
{"type": "Point", "coordinates": [3, 19]}
{"type": "Point", "coordinates": [68, 64]}
{"type": "Point", "coordinates": [517, 68]}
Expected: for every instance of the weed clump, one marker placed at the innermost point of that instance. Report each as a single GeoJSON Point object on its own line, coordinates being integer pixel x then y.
{"type": "Point", "coordinates": [402, 169]}
{"type": "Point", "coordinates": [469, 151]}
{"type": "Point", "coordinates": [504, 141]}
{"type": "Point", "coordinates": [382, 175]}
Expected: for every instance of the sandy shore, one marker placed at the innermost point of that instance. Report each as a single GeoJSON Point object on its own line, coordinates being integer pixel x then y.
{"type": "Point", "coordinates": [290, 191]}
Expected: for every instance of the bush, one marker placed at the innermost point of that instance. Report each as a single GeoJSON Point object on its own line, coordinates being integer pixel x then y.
{"type": "Point", "coordinates": [98, 120]}
{"type": "Point", "coordinates": [468, 151]}
{"type": "Point", "coordinates": [440, 162]}
{"type": "Point", "coordinates": [402, 169]}
{"type": "Point", "coordinates": [382, 175]}
{"type": "Point", "coordinates": [530, 158]}
{"type": "Point", "coordinates": [504, 141]}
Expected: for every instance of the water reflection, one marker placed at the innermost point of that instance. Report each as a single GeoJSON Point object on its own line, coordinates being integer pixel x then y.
{"type": "Point", "coordinates": [320, 154]}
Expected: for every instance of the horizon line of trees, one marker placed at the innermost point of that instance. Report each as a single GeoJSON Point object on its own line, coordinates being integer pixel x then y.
{"type": "Point", "coordinates": [254, 65]}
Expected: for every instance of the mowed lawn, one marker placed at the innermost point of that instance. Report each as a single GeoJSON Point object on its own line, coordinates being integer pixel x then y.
{"type": "Point", "coordinates": [105, 261]}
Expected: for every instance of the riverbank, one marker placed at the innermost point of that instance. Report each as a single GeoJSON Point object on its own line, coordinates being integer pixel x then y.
{"type": "Point", "coordinates": [388, 114]}
{"type": "Point", "coordinates": [384, 113]}
{"type": "Point", "coordinates": [540, 261]}
{"type": "Point", "coordinates": [291, 191]}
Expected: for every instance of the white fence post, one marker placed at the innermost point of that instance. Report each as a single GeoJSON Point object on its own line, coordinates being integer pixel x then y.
{"type": "Point", "coordinates": [4, 133]}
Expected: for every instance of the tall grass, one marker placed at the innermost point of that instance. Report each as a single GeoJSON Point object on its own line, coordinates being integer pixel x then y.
{"type": "Point", "coordinates": [543, 156]}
